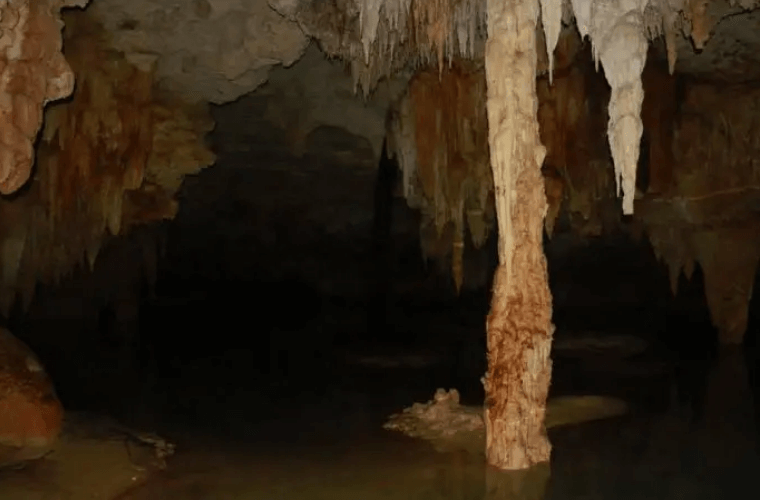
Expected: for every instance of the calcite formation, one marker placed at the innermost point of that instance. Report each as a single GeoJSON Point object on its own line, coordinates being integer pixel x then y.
{"type": "Point", "coordinates": [112, 157]}
{"type": "Point", "coordinates": [699, 172]}
{"type": "Point", "coordinates": [519, 326]}
{"type": "Point", "coordinates": [33, 72]}
{"type": "Point", "coordinates": [437, 32]}
{"type": "Point", "coordinates": [30, 413]}
{"type": "Point", "coordinates": [448, 425]}
{"type": "Point", "coordinates": [439, 135]}
{"type": "Point", "coordinates": [392, 33]}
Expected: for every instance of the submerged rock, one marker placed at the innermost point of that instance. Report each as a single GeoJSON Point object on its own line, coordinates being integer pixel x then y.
{"type": "Point", "coordinates": [448, 425]}
{"type": "Point", "coordinates": [31, 415]}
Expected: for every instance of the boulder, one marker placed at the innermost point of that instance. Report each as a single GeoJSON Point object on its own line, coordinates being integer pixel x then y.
{"type": "Point", "coordinates": [30, 413]}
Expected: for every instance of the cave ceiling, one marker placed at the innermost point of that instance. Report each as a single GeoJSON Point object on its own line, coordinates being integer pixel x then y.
{"type": "Point", "coordinates": [114, 154]}
{"type": "Point", "coordinates": [218, 50]}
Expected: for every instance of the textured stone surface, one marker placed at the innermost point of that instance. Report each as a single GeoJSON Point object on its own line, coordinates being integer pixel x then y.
{"type": "Point", "coordinates": [110, 158]}
{"type": "Point", "coordinates": [449, 425]}
{"type": "Point", "coordinates": [33, 72]}
{"type": "Point", "coordinates": [30, 413]}
{"type": "Point", "coordinates": [204, 50]}
{"type": "Point", "coordinates": [316, 92]}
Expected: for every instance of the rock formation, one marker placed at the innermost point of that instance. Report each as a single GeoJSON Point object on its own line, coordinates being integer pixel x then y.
{"type": "Point", "coordinates": [206, 51]}
{"type": "Point", "coordinates": [444, 161]}
{"type": "Point", "coordinates": [30, 413]}
{"type": "Point", "coordinates": [519, 325]}
{"type": "Point", "coordinates": [662, 133]}
{"type": "Point", "coordinates": [34, 73]}
{"type": "Point", "coordinates": [393, 31]}
{"type": "Point", "coordinates": [111, 158]}
{"type": "Point", "coordinates": [447, 424]}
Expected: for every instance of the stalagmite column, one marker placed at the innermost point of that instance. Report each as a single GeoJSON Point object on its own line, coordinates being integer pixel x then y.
{"type": "Point", "coordinates": [519, 324]}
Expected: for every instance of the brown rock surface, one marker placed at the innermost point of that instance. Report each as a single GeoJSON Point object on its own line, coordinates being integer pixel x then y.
{"type": "Point", "coordinates": [30, 412]}
{"type": "Point", "coordinates": [34, 73]}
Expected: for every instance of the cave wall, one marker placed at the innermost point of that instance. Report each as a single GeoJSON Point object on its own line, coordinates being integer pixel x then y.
{"type": "Point", "coordinates": [109, 159]}
{"type": "Point", "coordinates": [291, 195]}
{"type": "Point", "coordinates": [701, 207]}
{"type": "Point", "coordinates": [316, 91]}
{"type": "Point", "coordinates": [609, 282]}
{"type": "Point", "coordinates": [295, 184]}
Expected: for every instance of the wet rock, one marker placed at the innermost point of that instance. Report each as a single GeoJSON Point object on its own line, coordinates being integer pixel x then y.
{"type": "Point", "coordinates": [449, 425]}
{"type": "Point", "coordinates": [30, 413]}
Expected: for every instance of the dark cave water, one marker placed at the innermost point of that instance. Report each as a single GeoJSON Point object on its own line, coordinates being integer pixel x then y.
{"type": "Point", "coordinates": [253, 389]}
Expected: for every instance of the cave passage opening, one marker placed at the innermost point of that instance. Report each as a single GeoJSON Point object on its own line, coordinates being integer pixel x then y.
{"type": "Point", "coordinates": [291, 279]}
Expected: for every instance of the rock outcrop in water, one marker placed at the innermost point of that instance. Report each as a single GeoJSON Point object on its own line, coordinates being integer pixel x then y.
{"type": "Point", "coordinates": [449, 425]}
{"type": "Point", "coordinates": [30, 413]}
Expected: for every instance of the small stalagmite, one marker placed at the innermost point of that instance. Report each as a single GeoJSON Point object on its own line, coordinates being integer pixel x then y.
{"type": "Point", "coordinates": [30, 413]}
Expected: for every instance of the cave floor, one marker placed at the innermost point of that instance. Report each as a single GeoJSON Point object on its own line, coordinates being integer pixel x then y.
{"type": "Point", "coordinates": [300, 424]}
{"type": "Point", "coordinates": [334, 448]}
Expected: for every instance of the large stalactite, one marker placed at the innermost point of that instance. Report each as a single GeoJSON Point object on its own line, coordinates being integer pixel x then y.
{"type": "Point", "coordinates": [111, 158]}
{"type": "Point", "coordinates": [33, 72]}
{"type": "Point", "coordinates": [519, 325]}
{"type": "Point", "coordinates": [617, 30]}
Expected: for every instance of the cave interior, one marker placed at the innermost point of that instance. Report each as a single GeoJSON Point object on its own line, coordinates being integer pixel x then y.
{"type": "Point", "coordinates": [254, 227]}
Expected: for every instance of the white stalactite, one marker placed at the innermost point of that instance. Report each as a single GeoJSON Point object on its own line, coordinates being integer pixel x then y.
{"type": "Point", "coordinates": [368, 21]}
{"type": "Point", "coordinates": [388, 23]}
{"type": "Point", "coordinates": [617, 31]}
{"type": "Point", "coordinates": [551, 18]}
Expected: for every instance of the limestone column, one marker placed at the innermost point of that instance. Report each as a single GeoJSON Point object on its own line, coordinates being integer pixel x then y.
{"type": "Point", "coordinates": [519, 324]}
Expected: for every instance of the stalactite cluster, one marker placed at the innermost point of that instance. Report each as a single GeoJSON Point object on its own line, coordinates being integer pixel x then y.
{"type": "Point", "coordinates": [395, 32]}
{"type": "Point", "coordinates": [436, 31]}
{"type": "Point", "coordinates": [439, 134]}
{"type": "Point", "coordinates": [700, 170]}
{"type": "Point", "coordinates": [382, 37]}
{"type": "Point", "coordinates": [571, 119]}
{"type": "Point", "coordinates": [110, 158]}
